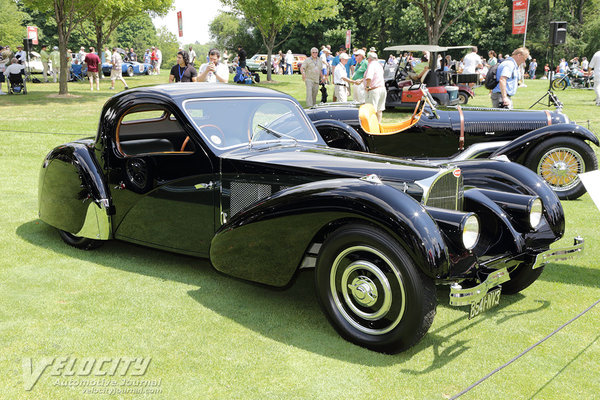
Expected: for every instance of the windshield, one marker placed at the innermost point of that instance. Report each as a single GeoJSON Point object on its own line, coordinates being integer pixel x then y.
{"type": "Point", "coordinates": [234, 122]}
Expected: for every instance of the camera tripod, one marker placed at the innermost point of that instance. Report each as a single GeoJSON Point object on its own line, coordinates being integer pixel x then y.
{"type": "Point", "coordinates": [552, 98]}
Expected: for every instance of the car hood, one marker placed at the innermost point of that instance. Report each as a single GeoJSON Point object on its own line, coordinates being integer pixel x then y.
{"type": "Point", "coordinates": [329, 162]}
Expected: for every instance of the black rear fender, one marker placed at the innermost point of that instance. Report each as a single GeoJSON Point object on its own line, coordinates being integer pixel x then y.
{"type": "Point", "coordinates": [72, 192]}
{"type": "Point", "coordinates": [267, 241]}
{"type": "Point", "coordinates": [518, 149]}
{"type": "Point", "coordinates": [340, 135]}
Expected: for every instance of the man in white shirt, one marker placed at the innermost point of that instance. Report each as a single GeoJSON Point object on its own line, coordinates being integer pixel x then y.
{"type": "Point", "coordinates": [21, 54]}
{"type": "Point", "coordinates": [340, 79]}
{"type": "Point", "coordinates": [471, 62]}
{"type": "Point", "coordinates": [192, 55]}
{"type": "Point", "coordinates": [595, 65]}
{"type": "Point", "coordinates": [375, 85]}
{"type": "Point", "coordinates": [213, 70]}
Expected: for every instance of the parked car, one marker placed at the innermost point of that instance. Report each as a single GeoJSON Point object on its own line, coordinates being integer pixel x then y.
{"type": "Point", "coordinates": [253, 64]}
{"type": "Point", "coordinates": [130, 68]}
{"type": "Point", "coordinates": [297, 64]}
{"type": "Point", "coordinates": [260, 194]}
{"type": "Point", "coordinates": [546, 142]}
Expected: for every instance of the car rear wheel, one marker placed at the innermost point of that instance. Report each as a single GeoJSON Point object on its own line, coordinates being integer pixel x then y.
{"type": "Point", "coordinates": [130, 71]}
{"type": "Point", "coordinates": [559, 161]}
{"type": "Point", "coordinates": [78, 241]}
{"type": "Point", "coordinates": [521, 277]}
{"type": "Point", "coordinates": [371, 291]}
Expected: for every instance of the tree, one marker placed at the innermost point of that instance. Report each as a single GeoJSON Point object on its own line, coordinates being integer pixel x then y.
{"type": "Point", "coordinates": [433, 14]}
{"type": "Point", "coordinates": [137, 32]}
{"type": "Point", "coordinates": [271, 16]}
{"type": "Point", "coordinates": [67, 14]}
{"type": "Point", "coordinates": [168, 45]}
{"type": "Point", "coordinates": [12, 31]}
{"type": "Point", "coordinates": [229, 31]}
{"type": "Point", "coordinates": [108, 15]}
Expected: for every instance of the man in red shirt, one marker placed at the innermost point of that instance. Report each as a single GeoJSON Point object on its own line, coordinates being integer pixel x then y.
{"type": "Point", "coordinates": [92, 61]}
{"type": "Point", "coordinates": [154, 60]}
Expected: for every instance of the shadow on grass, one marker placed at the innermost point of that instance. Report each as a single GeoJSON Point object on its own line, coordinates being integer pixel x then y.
{"type": "Point", "coordinates": [290, 316]}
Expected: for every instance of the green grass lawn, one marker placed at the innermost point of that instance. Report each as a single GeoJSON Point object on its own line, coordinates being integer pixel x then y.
{"type": "Point", "coordinates": [212, 336]}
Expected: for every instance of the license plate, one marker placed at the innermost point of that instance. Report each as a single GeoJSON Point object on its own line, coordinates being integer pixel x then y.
{"type": "Point", "coordinates": [490, 300]}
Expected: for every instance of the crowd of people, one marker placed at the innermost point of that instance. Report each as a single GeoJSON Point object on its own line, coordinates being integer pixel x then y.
{"type": "Point", "coordinates": [89, 62]}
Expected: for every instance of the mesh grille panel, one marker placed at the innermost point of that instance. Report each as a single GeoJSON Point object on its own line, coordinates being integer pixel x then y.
{"type": "Point", "coordinates": [243, 194]}
{"type": "Point", "coordinates": [504, 126]}
{"type": "Point", "coordinates": [444, 192]}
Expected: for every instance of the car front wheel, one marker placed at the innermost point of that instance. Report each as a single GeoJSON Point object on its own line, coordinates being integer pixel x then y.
{"type": "Point", "coordinates": [130, 71]}
{"type": "Point", "coordinates": [463, 98]}
{"type": "Point", "coordinates": [521, 277]}
{"type": "Point", "coordinates": [78, 241]}
{"type": "Point", "coordinates": [371, 291]}
{"type": "Point", "coordinates": [559, 161]}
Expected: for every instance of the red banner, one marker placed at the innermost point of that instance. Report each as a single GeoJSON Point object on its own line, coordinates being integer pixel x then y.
{"type": "Point", "coordinates": [348, 38]}
{"type": "Point", "coordinates": [180, 23]}
{"type": "Point", "coordinates": [520, 9]}
{"type": "Point", "coordinates": [32, 33]}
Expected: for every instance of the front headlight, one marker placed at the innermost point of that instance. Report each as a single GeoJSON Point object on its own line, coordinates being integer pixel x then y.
{"type": "Point", "coordinates": [536, 210]}
{"type": "Point", "coordinates": [470, 231]}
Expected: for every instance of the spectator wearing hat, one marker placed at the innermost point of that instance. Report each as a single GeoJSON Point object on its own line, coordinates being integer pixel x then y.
{"type": "Point", "coordinates": [81, 55]}
{"type": "Point", "coordinates": [45, 56]}
{"type": "Point", "coordinates": [340, 79]}
{"type": "Point", "coordinates": [375, 85]}
{"type": "Point", "coordinates": [359, 74]}
{"type": "Point", "coordinates": [21, 55]}
{"type": "Point", "coordinates": [55, 58]}
{"type": "Point", "coordinates": [312, 75]}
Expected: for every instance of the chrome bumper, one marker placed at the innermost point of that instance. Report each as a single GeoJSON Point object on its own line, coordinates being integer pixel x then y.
{"type": "Point", "coordinates": [464, 297]}
{"type": "Point", "coordinates": [559, 254]}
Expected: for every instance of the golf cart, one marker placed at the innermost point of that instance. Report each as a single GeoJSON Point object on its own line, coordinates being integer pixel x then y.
{"type": "Point", "coordinates": [403, 92]}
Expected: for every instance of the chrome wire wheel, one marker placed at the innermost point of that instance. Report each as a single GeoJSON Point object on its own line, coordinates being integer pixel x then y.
{"type": "Point", "coordinates": [560, 168]}
{"type": "Point", "coordinates": [367, 290]}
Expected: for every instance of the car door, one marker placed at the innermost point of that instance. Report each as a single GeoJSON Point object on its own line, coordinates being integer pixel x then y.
{"type": "Point", "coordinates": [163, 191]}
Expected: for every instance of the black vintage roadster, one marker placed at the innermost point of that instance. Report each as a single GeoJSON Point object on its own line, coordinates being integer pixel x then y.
{"type": "Point", "coordinates": [543, 141]}
{"type": "Point", "coordinates": [241, 176]}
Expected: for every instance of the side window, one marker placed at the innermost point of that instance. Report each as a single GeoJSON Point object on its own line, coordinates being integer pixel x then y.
{"type": "Point", "coordinates": [149, 129]}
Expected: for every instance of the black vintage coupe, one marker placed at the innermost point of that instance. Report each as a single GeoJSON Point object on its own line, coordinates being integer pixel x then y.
{"type": "Point", "coordinates": [241, 176]}
{"type": "Point", "coordinates": [545, 142]}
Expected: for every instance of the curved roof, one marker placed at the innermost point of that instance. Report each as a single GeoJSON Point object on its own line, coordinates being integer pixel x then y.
{"type": "Point", "coordinates": [179, 92]}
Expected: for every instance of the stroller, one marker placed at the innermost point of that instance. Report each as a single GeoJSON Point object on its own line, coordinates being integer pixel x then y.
{"type": "Point", "coordinates": [16, 84]}
{"type": "Point", "coordinates": [243, 76]}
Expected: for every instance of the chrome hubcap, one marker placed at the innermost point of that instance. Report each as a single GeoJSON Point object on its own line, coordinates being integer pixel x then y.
{"type": "Point", "coordinates": [367, 290]}
{"type": "Point", "coordinates": [560, 166]}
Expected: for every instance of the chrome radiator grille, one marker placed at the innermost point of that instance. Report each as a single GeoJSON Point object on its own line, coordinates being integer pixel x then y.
{"type": "Point", "coordinates": [446, 191]}
{"type": "Point", "coordinates": [243, 194]}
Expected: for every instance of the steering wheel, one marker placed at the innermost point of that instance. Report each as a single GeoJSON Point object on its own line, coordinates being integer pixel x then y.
{"type": "Point", "coordinates": [216, 136]}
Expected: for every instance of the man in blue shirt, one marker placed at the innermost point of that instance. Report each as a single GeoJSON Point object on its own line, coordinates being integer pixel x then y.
{"type": "Point", "coordinates": [508, 78]}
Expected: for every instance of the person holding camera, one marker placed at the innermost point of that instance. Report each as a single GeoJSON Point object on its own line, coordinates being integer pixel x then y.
{"type": "Point", "coordinates": [213, 70]}
{"type": "Point", "coordinates": [183, 71]}
{"type": "Point", "coordinates": [508, 78]}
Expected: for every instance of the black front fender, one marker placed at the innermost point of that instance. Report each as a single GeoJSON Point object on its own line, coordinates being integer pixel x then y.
{"type": "Point", "coordinates": [266, 242]}
{"type": "Point", "coordinates": [518, 149]}
{"type": "Point", "coordinates": [340, 135]}
{"type": "Point", "coordinates": [514, 178]}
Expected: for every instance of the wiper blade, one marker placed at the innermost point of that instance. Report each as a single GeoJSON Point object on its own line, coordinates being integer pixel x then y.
{"type": "Point", "coordinates": [278, 135]}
